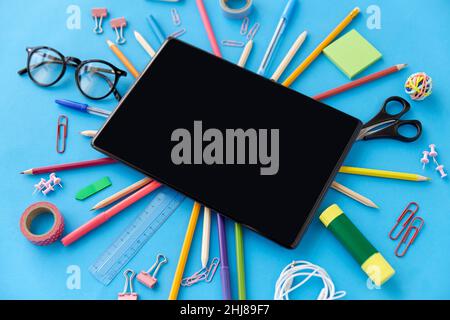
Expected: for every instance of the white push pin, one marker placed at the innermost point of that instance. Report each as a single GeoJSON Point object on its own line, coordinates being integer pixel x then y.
{"type": "Point", "coordinates": [433, 152]}
{"type": "Point", "coordinates": [440, 168]}
{"type": "Point", "coordinates": [424, 160]}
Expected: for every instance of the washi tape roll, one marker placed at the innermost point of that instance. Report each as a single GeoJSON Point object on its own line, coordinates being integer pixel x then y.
{"type": "Point", "coordinates": [236, 13]}
{"type": "Point", "coordinates": [35, 210]}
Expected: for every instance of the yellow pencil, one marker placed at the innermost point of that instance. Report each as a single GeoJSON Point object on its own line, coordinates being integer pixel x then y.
{"type": "Point", "coordinates": [383, 174]}
{"type": "Point", "coordinates": [344, 23]}
{"type": "Point", "coordinates": [122, 193]}
{"type": "Point", "coordinates": [184, 252]}
{"type": "Point", "coordinates": [122, 58]}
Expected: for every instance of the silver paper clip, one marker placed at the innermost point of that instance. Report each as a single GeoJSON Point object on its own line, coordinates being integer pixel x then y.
{"type": "Point", "coordinates": [233, 43]}
{"type": "Point", "coordinates": [244, 26]}
{"type": "Point", "coordinates": [253, 30]}
{"type": "Point", "coordinates": [178, 33]}
{"type": "Point", "coordinates": [175, 17]}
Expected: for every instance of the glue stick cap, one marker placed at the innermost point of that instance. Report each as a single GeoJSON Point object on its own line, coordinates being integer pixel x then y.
{"type": "Point", "coordinates": [378, 269]}
{"type": "Point", "coordinates": [331, 213]}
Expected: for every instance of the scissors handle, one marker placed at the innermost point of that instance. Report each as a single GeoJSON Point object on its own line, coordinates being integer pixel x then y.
{"type": "Point", "coordinates": [384, 115]}
{"type": "Point", "coordinates": [392, 131]}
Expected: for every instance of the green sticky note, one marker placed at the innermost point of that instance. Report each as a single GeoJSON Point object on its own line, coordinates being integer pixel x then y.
{"type": "Point", "coordinates": [93, 188]}
{"type": "Point", "coordinates": [352, 53]}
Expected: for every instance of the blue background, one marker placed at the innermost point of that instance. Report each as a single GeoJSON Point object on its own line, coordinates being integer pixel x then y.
{"type": "Point", "coordinates": [412, 32]}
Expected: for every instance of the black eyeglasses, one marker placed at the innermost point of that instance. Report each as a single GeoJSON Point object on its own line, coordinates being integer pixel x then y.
{"type": "Point", "coordinates": [96, 79]}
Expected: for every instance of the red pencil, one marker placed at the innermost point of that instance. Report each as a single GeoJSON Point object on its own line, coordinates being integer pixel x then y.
{"type": "Point", "coordinates": [67, 166]}
{"type": "Point", "coordinates": [108, 214]}
{"type": "Point", "coordinates": [356, 83]}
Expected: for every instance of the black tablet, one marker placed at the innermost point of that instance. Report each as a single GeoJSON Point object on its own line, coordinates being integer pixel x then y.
{"type": "Point", "coordinates": [248, 148]}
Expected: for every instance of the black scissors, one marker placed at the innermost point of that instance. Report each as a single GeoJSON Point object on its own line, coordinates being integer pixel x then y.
{"type": "Point", "coordinates": [386, 125]}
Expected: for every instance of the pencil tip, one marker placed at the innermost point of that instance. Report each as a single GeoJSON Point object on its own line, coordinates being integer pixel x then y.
{"type": "Point", "coordinates": [109, 42]}
{"type": "Point", "coordinates": [402, 66]}
{"type": "Point", "coordinates": [22, 172]}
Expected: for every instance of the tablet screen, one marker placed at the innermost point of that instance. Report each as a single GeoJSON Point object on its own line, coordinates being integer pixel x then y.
{"type": "Point", "coordinates": [248, 148]}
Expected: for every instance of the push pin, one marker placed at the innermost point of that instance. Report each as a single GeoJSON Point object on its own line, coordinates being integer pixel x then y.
{"type": "Point", "coordinates": [125, 295]}
{"type": "Point", "coordinates": [424, 160]}
{"type": "Point", "coordinates": [54, 179]}
{"type": "Point", "coordinates": [147, 279]}
{"type": "Point", "coordinates": [433, 152]}
{"type": "Point", "coordinates": [98, 14]}
{"type": "Point", "coordinates": [118, 24]}
{"type": "Point", "coordinates": [440, 168]}
{"type": "Point", "coordinates": [45, 186]}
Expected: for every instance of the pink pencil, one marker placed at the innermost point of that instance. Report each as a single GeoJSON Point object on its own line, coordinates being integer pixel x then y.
{"type": "Point", "coordinates": [208, 28]}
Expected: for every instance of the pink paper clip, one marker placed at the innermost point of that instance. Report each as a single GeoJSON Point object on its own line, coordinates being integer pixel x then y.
{"type": "Point", "coordinates": [404, 242]}
{"type": "Point", "coordinates": [118, 24]}
{"type": "Point", "coordinates": [98, 14]}
{"type": "Point", "coordinates": [125, 295]}
{"type": "Point", "coordinates": [147, 279]}
{"type": "Point", "coordinates": [409, 212]}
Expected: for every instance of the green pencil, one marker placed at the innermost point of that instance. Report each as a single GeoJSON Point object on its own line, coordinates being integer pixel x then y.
{"type": "Point", "coordinates": [240, 261]}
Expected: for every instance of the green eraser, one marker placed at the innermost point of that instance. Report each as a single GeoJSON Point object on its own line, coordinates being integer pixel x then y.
{"type": "Point", "coordinates": [93, 188]}
{"type": "Point", "coordinates": [352, 53]}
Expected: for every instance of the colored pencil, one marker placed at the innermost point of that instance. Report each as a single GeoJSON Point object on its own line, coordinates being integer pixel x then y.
{"type": "Point", "coordinates": [89, 133]}
{"type": "Point", "coordinates": [206, 236]}
{"type": "Point", "coordinates": [383, 174]}
{"type": "Point", "coordinates": [358, 82]}
{"type": "Point", "coordinates": [122, 58]}
{"type": "Point", "coordinates": [245, 54]}
{"type": "Point", "coordinates": [147, 47]}
{"type": "Point", "coordinates": [224, 266]}
{"type": "Point", "coordinates": [317, 51]}
{"type": "Point", "coordinates": [184, 252]}
{"type": "Point", "coordinates": [122, 193]}
{"type": "Point", "coordinates": [208, 27]}
{"type": "Point", "coordinates": [68, 166]}
{"type": "Point", "coordinates": [289, 56]}
{"type": "Point", "coordinates": [239, 239]}
{"type": "Point", "coordinates": [101, 218]}
{"type": "Point", "coordinates": [352, 194]}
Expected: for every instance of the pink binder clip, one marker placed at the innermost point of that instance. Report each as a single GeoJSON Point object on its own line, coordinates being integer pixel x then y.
{"type": "Point", "coordinates": [147, 279]}
{"type": "Point", "coordinates": [98, 14]}
{"type": "Point", "coordinates": [118, 24]}
{"type": "Point", "coordinates": [125, 295]}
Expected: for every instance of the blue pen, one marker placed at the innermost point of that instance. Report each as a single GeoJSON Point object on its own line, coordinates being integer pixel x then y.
{"type": "Point", "coordinates": [276, 36]}
{"type": "Point", "coordinates": [83, 107]}
{"type": "Point", "coordinates": [156, 28]}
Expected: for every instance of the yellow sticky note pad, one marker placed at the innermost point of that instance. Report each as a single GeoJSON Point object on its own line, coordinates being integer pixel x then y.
{"type": "Point", "coordinates": [352, 53]}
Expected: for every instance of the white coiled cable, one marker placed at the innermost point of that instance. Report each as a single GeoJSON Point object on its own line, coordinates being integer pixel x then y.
{"type": "Point", "coordinates": [308, 270]}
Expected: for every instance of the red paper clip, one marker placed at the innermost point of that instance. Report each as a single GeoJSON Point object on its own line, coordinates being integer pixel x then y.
{"type": "Point", "coordinates": [404, 240]}
{"type": "Point", "coordinates": [61, 135]}
{"type": "Point", "coordinates": [411, 212]}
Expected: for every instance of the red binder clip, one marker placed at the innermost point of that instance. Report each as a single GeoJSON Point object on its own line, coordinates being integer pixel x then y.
{"type": "Point", "coordinates": [61, 133]}
{"type": "Point", "coordinates": [125, 295]}
{"type": "Point", "coordinates": [98, 14]}
{"type": "Point", "coordinates": [118, 24]}
{"type": "Point", "coordinates": [404, 242]}
{"type": "Point", "coordinates": [409, 213]}
{"type": "Point", "coordinates": [147, 279]}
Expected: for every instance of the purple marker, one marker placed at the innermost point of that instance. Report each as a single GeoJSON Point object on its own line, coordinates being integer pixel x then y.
{"type": "Point", "coordinates": [224, 268]}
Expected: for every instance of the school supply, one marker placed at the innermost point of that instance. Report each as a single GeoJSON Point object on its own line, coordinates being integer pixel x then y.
{"type": "Point", "coordinates": [156, 29]}
{"type": "Point", "coordinates": [89, 133]}
{"type": "Point", "coordinates": [98, 14]}
{"type": "Point", "coordinates": [122, 58]}
{"type": "Point", "coordinates": [316, 52]}
{"type": "Point", "coordinates": [96, 79]}
{"type": "Point", "coordinates": [206, 236]}
{"type": "Point", "coordinates": [305, 270]}
{"type": "Point", "coordinates": [433, 153]}
{"type": "Point", "coordinates": [233, 43]}
{"type": "Point", "coordinates": [236, 13]}
{"type": "Point", "coordinates": [285, 16]}
{"type": "Point", "coordinates": [178, 276]}
{"type": "Point", "coordinates": [244, 26]}
{"type": "Point", "coordinates": [240, 266]}
{"type": "Point", "coordinates": [45, 186]}
{"type": "Point", "coordinates": [419, 86]}
{"type": "Point", "coordinates": [125, 294]}
{"type": "Point", "coordinates": [386, 124]}
{"type": "Point", "coordinates": [364, 253]}
{"type": "Point", "coordinates": [61, 133]}
{"type": "Point", "coordinates": [289, 56]}
{"type": "Point", "coordinates": [176, 20]}
{"type": "Point", "coordinates": [104, 216]}
{"type": "Point", "coordinates": [224, 266]}
{"type": "Point", "coordinates": [440, 169]}
{"type": "Point", "coordinates": [404, 220]}
{"type": "Point", "coordinates": [136, 235]}
{"type": "Point", "coordinates": [352, 194]}
{"type": "Point", "coordinates": [253, 30]}
{"type": "Point", "coordinates": [118, 24]}
{"type": "Point", "coordinates": [147, 279]}
{"type": "Point", "coordinates": [93, 188]}
{"type": "Point", "coordinates": [360, 81]}
{"type": "Point", "coordinates": [208, 27]}
{"type": "Point", "coordinates": [352, 53]}
{"type": "Point", "coordinates": [424, 160]}
{"type": "Point", "coordinates": [383, 174]}
{"type": "Point", "coordinates": [31, 213]}
{"type": "Point", "coordinates": [122, 193]}
{"type": "Point", "coordinates": [178, 33]}
{"type": "Point", "coordinates": [407, 241]}
{"type": "Point", "coordinates": [83, 107]}
{"type": "Point", "coordinates": [204, 274]}
{"type": "Point", "coordinates": [68, 166]}
{"type": "Point", "coordinates": [245, 54]}
{"type": "Point", "coordinates": [147, 47]}
{"type": "Point", "coordinates": [170, 162]}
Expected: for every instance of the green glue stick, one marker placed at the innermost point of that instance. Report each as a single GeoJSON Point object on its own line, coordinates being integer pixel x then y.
{"type": "Point", "coordinates": [365, 254]}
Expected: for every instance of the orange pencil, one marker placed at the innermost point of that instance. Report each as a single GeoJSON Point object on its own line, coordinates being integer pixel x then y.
{"type": "Point", "coordinates": [122, 58]}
